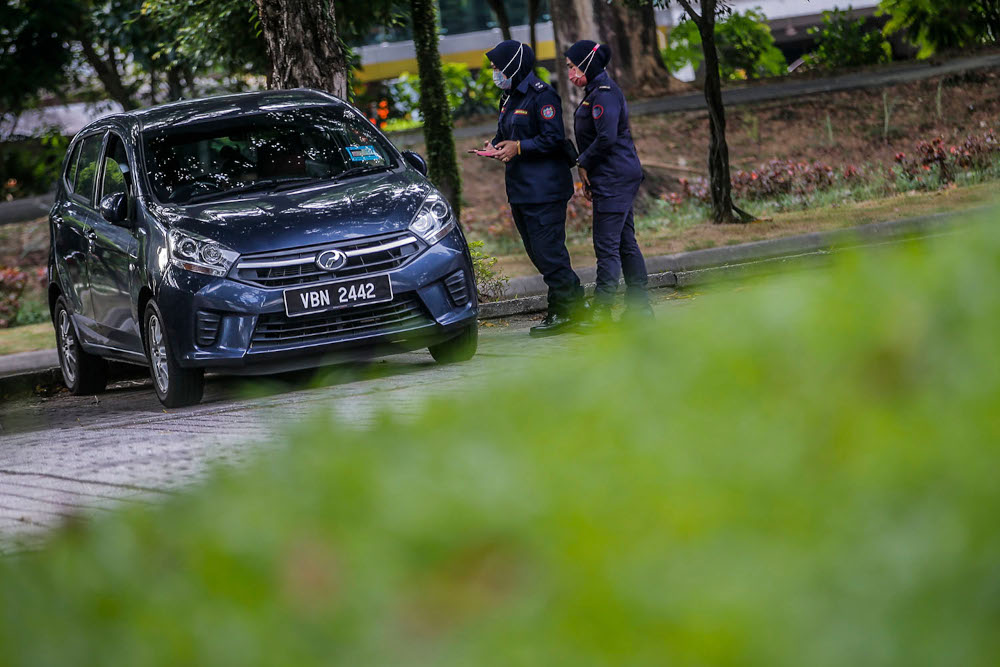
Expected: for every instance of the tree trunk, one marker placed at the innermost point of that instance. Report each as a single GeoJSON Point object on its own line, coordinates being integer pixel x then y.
{"type": "Point", "coordinates": [174, 87]}
{"type": "Point", "coordinates": [572, 20]}
{"type": "Point", "coordinates": [503, 20]}
{"type": "Point", "coordinates": [303, 45]}
{"type": "Point", "coordinates": [630, 31]}
{"type": "Point", "coordinates": [107, 72]}
{"type": "Point", "coordinates": [441, 159]}
{"type": "Point", "coordinates": [720, 184]}
{"type": "Point", "coordinates": [153, 84]}
{"type": "Point", "coordinates": [532, 20]}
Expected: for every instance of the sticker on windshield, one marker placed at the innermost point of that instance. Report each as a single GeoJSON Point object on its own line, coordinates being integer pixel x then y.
{"type": "Point", "coordinates": [363, 153]}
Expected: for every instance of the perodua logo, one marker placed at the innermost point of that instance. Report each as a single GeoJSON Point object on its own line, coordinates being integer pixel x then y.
{"type": "Point", "coordinates": [331, 260]}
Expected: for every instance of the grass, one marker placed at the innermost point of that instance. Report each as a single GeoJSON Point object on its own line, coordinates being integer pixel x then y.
{"type": "Point", "coordinates": [667, 495]}
{"type": "Point", "coordinates": [28, 338]}
{"type": "Point", "coordinates": [666, 231]}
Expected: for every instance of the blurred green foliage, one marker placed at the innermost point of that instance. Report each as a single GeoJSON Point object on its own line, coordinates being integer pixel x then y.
{"type": "Point", "coordinates": [467, 95]}
{"type": "Point", "coordinates": [798, 473]}
{"type": "Point", "coordinates": [31, 166]}
{"type": "Point", "coordinates": [746, 47]}
{"type": "Point", "coordinates": [845, 42]}
{"type": "Point", "coordinates": [937, 26]}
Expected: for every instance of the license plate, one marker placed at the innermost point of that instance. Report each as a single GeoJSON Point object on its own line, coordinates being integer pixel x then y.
{"type": "Point", "coordinates": [339, 294]}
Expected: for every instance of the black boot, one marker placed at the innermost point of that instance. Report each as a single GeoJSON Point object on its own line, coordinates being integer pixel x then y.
{"type": "Point", "coordinates": [638, 313]}
{"type": "Point", "coordinates": [553, 325]}
{"type": "Point", "coordinates": [600, 318]}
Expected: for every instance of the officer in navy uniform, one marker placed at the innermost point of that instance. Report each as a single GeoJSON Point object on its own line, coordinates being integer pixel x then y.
{"type": "Point", "coordinates": [530, 141]}
{"type": "Point", "coordinates": [611, 174]}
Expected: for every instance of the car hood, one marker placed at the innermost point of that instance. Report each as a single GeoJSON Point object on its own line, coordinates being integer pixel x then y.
{"type": "Point", "coordinates": [329, 212]}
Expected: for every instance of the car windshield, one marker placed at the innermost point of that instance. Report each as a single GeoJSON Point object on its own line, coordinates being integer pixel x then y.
{"type": "Point", "coordinates": [261, 152]}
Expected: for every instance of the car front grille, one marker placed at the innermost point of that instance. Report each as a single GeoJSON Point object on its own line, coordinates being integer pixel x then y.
{"type": "Point", "coordinates": [278, 330]}
{"type": "Point", "coordinates": [292, 268]}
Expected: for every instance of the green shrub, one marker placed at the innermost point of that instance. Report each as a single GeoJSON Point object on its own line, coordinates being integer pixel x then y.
{"type": "Point", "coordinates": [799, 473]}
{"type": "Point", "coordinates": [491, 283]}
{"type": "Point", "coordinates": [846, 42]}
{"type": "Point", "coordinates": [467, 95]}
{"type": "Point", "coordinates": [746, 47]}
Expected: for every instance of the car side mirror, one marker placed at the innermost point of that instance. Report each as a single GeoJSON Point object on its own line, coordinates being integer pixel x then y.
{"type": "Point", "coordinates": [416, 161]}
{"type": "Point", "coordinates": [114, 208]}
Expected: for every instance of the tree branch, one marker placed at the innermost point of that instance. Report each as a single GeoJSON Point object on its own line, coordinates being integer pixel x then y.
{"type": "Point", "coordinates": [690, 10]}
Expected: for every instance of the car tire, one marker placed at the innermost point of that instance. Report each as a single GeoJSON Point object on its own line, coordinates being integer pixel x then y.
{"type": "Point", "coordinates": [175, 386]}
{"type": "Point", "coordinates": [460, 348]}
{"type": "Point", "coordinates": [83, 373]}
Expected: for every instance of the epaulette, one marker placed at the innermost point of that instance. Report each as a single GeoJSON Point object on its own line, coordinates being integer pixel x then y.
{"type": "Point", "coordinates": [539, 85]}
{"type": "Point", "coordinates": [604, 87]}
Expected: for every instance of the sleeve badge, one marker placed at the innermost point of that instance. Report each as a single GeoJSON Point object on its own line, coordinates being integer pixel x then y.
{"type": "Point", "coordinates": [597, 111]}
{"type": "Point", "coordinates": [548, 112]}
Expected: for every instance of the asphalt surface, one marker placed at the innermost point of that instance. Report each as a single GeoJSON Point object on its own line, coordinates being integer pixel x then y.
{"type": "Point", "coordinates": [64, 457]}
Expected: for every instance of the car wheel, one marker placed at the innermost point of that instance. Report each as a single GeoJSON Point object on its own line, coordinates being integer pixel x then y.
{"type": "Point", "coordinates": [175, 386]}
{"type": "Point", "coordinates": [83, 373]}
{"type": "Point", "coordinates": [460, 348]}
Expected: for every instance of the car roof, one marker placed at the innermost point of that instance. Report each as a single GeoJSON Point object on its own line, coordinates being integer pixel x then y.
{"type": "Point", "coordinates": [218, 107]}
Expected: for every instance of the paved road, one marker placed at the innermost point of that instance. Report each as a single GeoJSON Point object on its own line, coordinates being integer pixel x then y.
{"type": "Point", "coordinates": [64, 456]}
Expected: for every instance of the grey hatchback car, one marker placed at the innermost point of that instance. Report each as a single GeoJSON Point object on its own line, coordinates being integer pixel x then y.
{"type": "Point", "coordinates": [250, 234]}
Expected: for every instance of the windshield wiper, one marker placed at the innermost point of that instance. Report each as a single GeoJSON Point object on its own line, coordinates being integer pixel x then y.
{"type": "Point", "coordinates": [360, 171]}
{"type": "Point", "coordinates": [264, 184]}
{"type": "Point", "coordinates": [293, 183]}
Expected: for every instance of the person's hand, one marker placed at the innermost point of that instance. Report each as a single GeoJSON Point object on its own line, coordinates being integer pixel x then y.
{"type": "Point", "coordinates": [506, 151]}
{"type": "Point", "coordinates": [488, 150]}
{"type": "Point", "coordinates": [588, 195]}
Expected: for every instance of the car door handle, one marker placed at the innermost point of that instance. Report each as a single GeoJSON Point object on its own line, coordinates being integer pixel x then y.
{"type": "Point", "coordinates": [91, 235]}
{"type": "Point", "coordinates": [58, 220]}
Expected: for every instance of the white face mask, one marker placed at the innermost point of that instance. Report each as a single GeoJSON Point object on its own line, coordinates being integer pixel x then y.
{"type": "Point", "coordinates": [502, 82]}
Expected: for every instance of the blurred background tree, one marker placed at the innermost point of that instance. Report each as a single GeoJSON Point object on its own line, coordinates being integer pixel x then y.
{"type": "Point", "coordinates": [845, 42]}
{"type": "Point", "coordinates": [745, 45]}
{"type": "Point", "coordinates": [937, 26]}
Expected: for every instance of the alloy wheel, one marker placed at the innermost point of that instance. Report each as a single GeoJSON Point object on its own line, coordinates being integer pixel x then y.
{"type": "Point", "coordinates": [67, 345]}
{"type": "Point", "coordinates": [158, 353]}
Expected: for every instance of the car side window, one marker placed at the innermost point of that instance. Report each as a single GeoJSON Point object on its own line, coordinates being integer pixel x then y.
{"type": "Point", "coordinates": [86, 171]}
{"type": "Point", "coordinates": [71, 167]}
{"type": "Point", "coordinates": [116, 169]}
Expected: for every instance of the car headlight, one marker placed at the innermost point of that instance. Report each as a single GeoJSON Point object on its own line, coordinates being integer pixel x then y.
{"type": "Point", "coordinates": [434, 219]}
{"type": "Point", "coordinates": [200, 255]}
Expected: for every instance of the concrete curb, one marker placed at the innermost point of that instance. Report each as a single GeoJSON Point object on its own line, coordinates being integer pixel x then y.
{"type": "Point", "coordinates": [690, 268]}
{"type": "Point", "coordinates": [680, 270]}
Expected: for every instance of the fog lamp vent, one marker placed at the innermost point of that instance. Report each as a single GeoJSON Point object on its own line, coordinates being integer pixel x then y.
{"type": "Point", "coordinates": [207, 329]}
{"type": "Point", "coordinates": [458, 287]}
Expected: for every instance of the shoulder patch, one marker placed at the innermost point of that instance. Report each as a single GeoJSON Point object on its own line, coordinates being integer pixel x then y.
{"type": "Point", "coordinates": [539, 85]}
{"type": "Point", "coordinates": [597, 111]}
{"type": "Point", "coordinates": [548, 112]}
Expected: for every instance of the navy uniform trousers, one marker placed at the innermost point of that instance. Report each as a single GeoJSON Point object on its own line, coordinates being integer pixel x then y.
{"type": "Point", "coordinates": [543, 230]}
{"type": "Point", "coordinates": [617, 251]}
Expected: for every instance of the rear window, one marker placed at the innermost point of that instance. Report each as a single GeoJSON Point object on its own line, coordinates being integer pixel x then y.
{"type": "Point", "coordinates": [209, 159]}
{"type": "Point", "coordinates": [87, 166]}
{"type": "Point", "coordinates": [71, 167]}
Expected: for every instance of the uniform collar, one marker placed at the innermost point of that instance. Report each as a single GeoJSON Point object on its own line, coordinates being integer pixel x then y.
{"type": "Point", "coordinates": [527, 83]}
{"type": "Point", "coordinates": [599, 80]}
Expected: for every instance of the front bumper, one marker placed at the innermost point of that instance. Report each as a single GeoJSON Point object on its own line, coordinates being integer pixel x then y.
{"type": "Point", "coordinates": [236, 314]}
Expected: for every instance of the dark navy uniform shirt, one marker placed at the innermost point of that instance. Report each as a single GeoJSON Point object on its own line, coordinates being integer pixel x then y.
{"type": "Point", "coordinates": [604, 140]}
{"type": "Point", "coordinates": [532, 115]}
